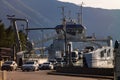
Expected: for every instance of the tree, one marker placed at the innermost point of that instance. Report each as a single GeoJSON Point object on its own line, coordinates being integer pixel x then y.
{"type": "Point", "coordinates": [2, 31]}
{"type": "Point", "coordinates": [2, 34]}
{"type": "Point", "coordinates": [23, 39]}
{"type": "Point", "coordinates": [10, 38]}
{"type": "Point", "coordinates": [7, 37]}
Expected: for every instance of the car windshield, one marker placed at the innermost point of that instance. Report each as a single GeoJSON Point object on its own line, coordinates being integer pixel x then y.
{"type": "Point", "coordinates": [29, 63]}
{"type": "Point", "coordinates": [8, 62]}
{"type": "Point", "coordinates": [46, 63]}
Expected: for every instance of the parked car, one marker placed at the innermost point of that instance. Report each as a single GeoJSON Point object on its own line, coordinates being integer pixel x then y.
{"type": "Point", "coordinates": [30, 66]}
{"type": "Point", "coordinates": [9, 66]}
{"type": "Point", "coordinates": [46, 65]}
{"type": "Point", "coordinates": [59, 64]}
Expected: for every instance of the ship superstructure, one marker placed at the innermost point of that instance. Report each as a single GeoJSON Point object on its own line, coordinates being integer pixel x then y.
{"type": "Point", "coordinates": [93, 55]}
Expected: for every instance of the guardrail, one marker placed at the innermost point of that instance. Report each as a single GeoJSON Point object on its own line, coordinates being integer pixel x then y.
{"type": "Point", "coordinates": [83, 70]}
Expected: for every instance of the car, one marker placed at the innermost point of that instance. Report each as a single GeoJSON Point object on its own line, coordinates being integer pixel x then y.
{"type": "Point", "coordinates": [9, 66]}
{"type": "Point", "coordinates": [59, 64]}
{"type": "Point", "coordinates": [46, 65]}
{"type": "Point", "coordinates": [30, 66]}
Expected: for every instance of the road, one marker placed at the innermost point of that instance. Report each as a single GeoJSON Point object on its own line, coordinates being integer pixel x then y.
{"type": "Point", "coordinates": [42, 75]}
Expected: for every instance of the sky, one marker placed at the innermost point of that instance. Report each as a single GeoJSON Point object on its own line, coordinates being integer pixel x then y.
{"type": "Point", "coordinates": [105, 4]}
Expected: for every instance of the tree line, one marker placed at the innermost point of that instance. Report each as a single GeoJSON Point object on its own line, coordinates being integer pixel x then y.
{"type": "Point", "coordinates": [7, 36]}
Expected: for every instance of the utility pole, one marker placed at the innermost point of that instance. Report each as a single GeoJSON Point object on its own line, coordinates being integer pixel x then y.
{"type": "Point", "coordinates": [65, 34]}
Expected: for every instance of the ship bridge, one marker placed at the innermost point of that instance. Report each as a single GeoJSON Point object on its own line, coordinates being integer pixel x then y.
{"type": "Point", "coordinates": [73, 31]}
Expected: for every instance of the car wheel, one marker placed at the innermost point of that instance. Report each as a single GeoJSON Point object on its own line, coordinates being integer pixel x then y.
{"type": "Point", "coordinates": [37, 69]}
{"type": "Point", "coordinates": [1, 69]}
{"type": "Point", "coordinates": [16, 69]}
{"type": "Point", "coordinates": [11, 69]}
{"type": "Point", "coordinates": [33, 70]}
{"type": "Point", "coordinates": [23, 70]}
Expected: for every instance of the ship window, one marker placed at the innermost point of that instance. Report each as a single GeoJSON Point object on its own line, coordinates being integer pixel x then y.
{"type": "Point", "coordinates": [80, 30]}
{"type": "Point", "coordinates": [102, 54]}
{"type": "Point", "coordinates": [108, 53]}
{"type": "Point", "coordinates": [58, 31]}
{"type": "Point", "coordinates": [91, 48]}
{"type": "Point", "coordinates": [73, 31]}
{"type": "Point", "coordinates": [104, 51]}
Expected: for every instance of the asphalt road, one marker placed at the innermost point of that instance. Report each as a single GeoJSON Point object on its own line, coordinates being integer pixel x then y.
{"type": "Point", "coordinates": [42, 75]}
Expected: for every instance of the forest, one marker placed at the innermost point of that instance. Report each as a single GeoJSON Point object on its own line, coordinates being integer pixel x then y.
{"type": "Point", "coordinates": [7, 36]}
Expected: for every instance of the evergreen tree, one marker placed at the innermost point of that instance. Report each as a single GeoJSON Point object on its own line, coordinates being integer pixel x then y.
{"type": "Point", "coordinates": [10, 37]}
{"type": "Point", "coordinates": [2, 34]}
{"type": "Point", "coordinates": [23, 39]}
{"type": "Point", "coordinates": [7, 37]}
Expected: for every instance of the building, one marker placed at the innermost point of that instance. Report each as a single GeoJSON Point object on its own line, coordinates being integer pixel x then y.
{"type": "Point", "coordinates": [5, 54]}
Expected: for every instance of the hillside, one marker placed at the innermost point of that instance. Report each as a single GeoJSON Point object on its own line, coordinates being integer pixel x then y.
{"type": "Point", "coordinates": [47, 13]}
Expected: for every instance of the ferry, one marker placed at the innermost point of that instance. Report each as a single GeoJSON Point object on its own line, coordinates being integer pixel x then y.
{"type": "Point", "coordinates": [96, 53]}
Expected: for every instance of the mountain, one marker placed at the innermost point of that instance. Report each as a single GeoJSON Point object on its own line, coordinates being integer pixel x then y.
{"type": "Point", "coordinates": [47, 13]}
{"type": "Point", "coordinates": [19, 9]}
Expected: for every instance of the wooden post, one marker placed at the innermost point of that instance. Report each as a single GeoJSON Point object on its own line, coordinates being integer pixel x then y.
{"type": "Point", "coordinates": [3, 75]}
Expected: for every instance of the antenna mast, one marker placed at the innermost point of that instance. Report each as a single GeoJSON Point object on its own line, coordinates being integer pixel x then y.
{"type": "Point", "coordinates": [63, 15]}
{"type": "Point", "coordinates": [65, 32]}
{"type": "Point", "coordinates": [80, 14]}
{"type": "Point", "coordinates": [69, 15]}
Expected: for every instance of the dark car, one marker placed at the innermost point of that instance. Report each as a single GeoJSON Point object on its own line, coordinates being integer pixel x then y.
{"type": "Point", "coordinates": [59, 64]}
{"type": "Point", "coordinates": [9, 66]}
{"type": "Point", "coordinates": [46, 65]}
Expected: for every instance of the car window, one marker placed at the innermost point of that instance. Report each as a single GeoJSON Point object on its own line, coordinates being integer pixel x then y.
{"type": "Point", "coordinates": [46, 63]}
{"type": "Point", "coordinates": [8, 62]}
{"type": "Point", "coordinates": [29, 63]}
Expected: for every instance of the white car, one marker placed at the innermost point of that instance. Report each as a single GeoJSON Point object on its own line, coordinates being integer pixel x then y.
{"type": "Point", "coordinates": [46, 65]}
{"type": "Point", "coordinates": [30, 66]}
{"type": "Point", "coordinates": [9, 66]}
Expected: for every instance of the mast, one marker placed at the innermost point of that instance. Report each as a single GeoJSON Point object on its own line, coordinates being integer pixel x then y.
{"type": "Point", "coordinates": [63, 15]}
{"type": "Point", "coordinates": [69, 15]}
{"type": "Point", "coordinates": [80, 14]}
{"type": "Point", "coordinates": [65, 35]}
